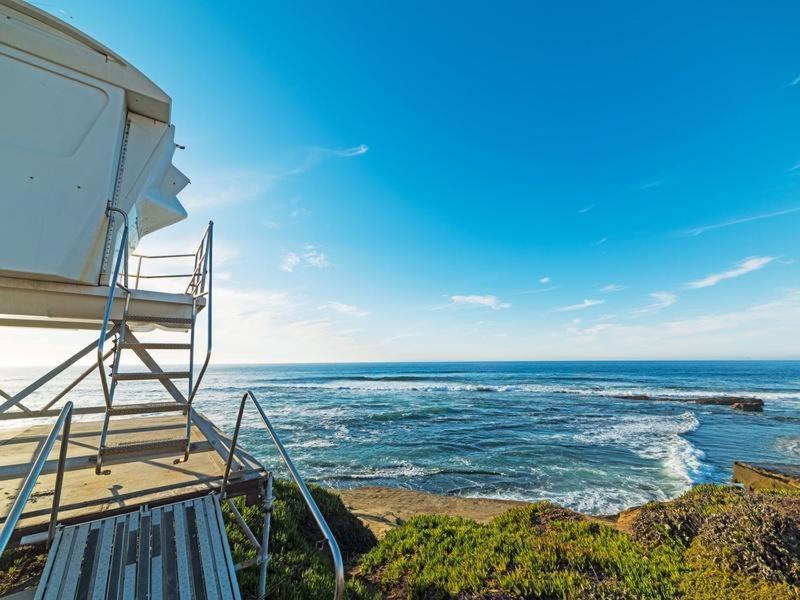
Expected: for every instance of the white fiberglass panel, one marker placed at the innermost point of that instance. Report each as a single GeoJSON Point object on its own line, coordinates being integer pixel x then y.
{"type": "Point", "coordinates": [52, 114]}
{"type": "Point", "coordinates": [60, 135]}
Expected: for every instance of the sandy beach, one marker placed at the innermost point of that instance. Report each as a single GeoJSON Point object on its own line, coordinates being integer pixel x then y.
{"type": "Point", "coordinates": [383, 508]}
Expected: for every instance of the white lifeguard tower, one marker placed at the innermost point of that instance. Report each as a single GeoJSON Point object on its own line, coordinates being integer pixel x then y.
{"type": "Point", "coordinates": [86, 171]}
{"type": "Point", "coordinates": [86, 150]}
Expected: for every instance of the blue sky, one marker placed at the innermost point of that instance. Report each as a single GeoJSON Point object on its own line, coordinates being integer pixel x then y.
{"type": "Point", "coordinates": [493, 181]}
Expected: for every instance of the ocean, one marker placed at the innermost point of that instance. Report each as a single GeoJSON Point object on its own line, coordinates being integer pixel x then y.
{"type": "Point", "coordinates": [577, 433]}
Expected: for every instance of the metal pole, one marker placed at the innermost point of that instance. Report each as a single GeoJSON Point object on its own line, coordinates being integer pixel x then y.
{"type": "Point", "coordinates": [30, 481]}
{"type": "Point", "coordinates": [338, 563]}
{"type": "Point", "coordinates": [75, 382]}
{"type": "Point", "coordinates": [62, 459]}
{"type": "Point", "coordinates": [233, 445]}
{"type": "Point", "coordinates": [262, 575]}
{"type": "Point", "coordinates": [138, 271]}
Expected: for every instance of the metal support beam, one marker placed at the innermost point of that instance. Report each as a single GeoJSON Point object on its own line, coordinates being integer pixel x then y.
{"type": "Point", "coordinates": [16, 398]}
{"type": "Point", "coordinates": [151, 364]}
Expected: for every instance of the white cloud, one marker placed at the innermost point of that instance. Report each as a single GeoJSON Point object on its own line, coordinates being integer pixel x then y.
{"type": "Point", "coordinates": [289, 261]}
{"type": "Point", "coordinates": [225, 187]}
{"type": "Point", "coordinates": [585, 209]}
{"type": "Point", "coordinates": [585, 304]}
{"type": "Point", "coordinates": [767, 331]}
{"type": "Point", "coordinates": [345, 309]}
{"type": "Point", "coordinates": [315, 258]}
{"type": "Point", "coordinates": [229, 186]}
{"type": "Point", "coordinates": [650, 184]}
{"type": "Point", "coordinates": [350, 152]}
{"type": "Point", "coordinates": [611, 288]}
{"type": "Point", "coordinates": [748, 265]}
{"type": "Point", "coordinates": [310, 257]}
{"type": "Point", "coordinates": [488, 301]}
{"type": "Point", "coordinates": [544, 280]}
{"type": "Point", "coordinates": [794, 81]}
{"type": "Point", "coordinates": [695, 231]}
{"type": "Point", "coordinates": [600, 242]}
{"type": "Point", "coordinates": [661, 300]}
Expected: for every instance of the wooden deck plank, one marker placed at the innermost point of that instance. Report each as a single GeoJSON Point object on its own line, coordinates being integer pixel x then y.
{"type": "Point", "coordinates": [143, 480]}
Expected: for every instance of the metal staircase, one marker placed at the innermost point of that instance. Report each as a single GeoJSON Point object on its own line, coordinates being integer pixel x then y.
{"type": "Point", "coordinates": [199, 289]}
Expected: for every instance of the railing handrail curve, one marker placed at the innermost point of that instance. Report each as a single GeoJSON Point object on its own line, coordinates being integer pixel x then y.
{"type": "Point", "coordinates": [122, 255]}
{"type": "Point", "coordinates": [62, 425]}
{"type": "Point", "coordinates": [338, 563]}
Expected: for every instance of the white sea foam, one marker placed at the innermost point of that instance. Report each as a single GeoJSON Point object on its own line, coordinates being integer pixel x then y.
{"type": "Point", "coordinates": [788, 445]}
{"type": "Point", "coordinates": [615, 391]}
{"type": "Point", "coordinates": [654, 437]}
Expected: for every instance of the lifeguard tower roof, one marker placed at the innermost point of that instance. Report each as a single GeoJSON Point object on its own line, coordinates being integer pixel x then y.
{"type": "Point", "coordinates": [81, 131]}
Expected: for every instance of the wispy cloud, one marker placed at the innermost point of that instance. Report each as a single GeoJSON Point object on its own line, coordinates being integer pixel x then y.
{"type": "Point", "coordinates": [794, 82]}
{"type": "Point", "coordinates": [660, 301]}
{"type": "Point", "coordinates": [544, 280]}
{"type": "Point", "coordinates": [289, 261]}
{"type": "Point", "coordinates": [315, 258]}
{"type": "Point", "coordinates": [611, 288]}
{"type": "Point", "coordinates": [748, 265]}
{"type": "Point", "coordinates": [585, 209]}
{"type": "Point", "coordinates": [489, 301]}
{"type": "Point", "coordinates": [778, 213]}
{"type": "Point", "coordinates": [350, 152]}
{"type": "Point", "coordinates": [230, 186]}
{"type": "Point", "coordinates": [346, 309]}
{"type": "Point", "coordinates": [310, 256]}
{"type": "Point", "coordinates": [585, 304]}
{"type": "Point", "coordinates": [600, 242]}
{"type": "Point", "coordinates": [650, 184]}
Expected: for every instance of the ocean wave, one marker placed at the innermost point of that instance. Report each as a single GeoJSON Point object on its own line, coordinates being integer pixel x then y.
{"type": "Point", "coordinates": [788, 445]}
{"type": "Point", "coordinates": [413, 384]}
{"type": "Point", "coordinates": [655, 437]}
{"type": "Point", "coordinates": [403, 471]}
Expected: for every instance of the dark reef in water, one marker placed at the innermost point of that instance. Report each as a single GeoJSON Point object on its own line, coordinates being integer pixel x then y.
{"type": "Point", "coordinates": [747, 404]}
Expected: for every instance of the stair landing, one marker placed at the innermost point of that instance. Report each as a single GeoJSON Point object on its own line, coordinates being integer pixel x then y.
{"type": "Point", "coordinates": [128, 481]}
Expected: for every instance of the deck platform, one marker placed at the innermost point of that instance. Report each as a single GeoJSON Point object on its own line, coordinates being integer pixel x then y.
{"type": "Point", "coordinates": [128, 482]}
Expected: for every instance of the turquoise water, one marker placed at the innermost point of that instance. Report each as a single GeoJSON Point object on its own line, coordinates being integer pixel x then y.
{"type": "Point", "coordinates": [562, 431]}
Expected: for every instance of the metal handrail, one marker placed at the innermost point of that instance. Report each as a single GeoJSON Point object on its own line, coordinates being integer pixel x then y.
{"type": "Point", "coordinates": [196, 277]}
{"type": "Point", "coordinates": [62, 423]}
{"type": "Point", "coordinates": [122, 255]}
{"type": "Point", "coordinates": [338, 563]}
{"type": "Point", "coordinates": [204, 287]}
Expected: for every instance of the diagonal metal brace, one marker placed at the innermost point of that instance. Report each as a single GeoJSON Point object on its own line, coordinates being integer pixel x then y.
{"type": "Point", "coordinates": [16, 398]}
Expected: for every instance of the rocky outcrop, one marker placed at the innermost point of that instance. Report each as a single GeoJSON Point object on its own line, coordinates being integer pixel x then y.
{"type": "Point", "coordinates": [743, 403]}
{"type": "Point", "coordinates": [735, 402]}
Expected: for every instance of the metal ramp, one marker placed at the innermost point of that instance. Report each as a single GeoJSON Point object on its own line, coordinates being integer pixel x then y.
{"type": "Point", "coordinates": [175, 551]}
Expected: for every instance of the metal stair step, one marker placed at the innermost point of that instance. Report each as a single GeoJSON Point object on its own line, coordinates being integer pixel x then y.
{"type": "Point", "coordinates": [146, 407]}
{"type": "Point", "coordinates": [150, 375]}
{"type": "Point", "coordinates": [154, 346]}
{"type": "Point", "coordinates": [165, 445]}
{"type": "Point", "coordinates": [164, 320]}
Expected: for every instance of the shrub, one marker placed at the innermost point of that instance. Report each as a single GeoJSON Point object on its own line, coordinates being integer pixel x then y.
{"type": "Point", "coordinates": [534, 552]}
{"type": "Point", "coordinates": [298, 569]}
{"type": "Point", "coordinates": [679, 520]}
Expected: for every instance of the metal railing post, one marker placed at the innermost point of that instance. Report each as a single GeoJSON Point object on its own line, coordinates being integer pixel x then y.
{"type": "Point", "coordinates": [62, 425]}
{"type": "Point", "coordinates": [233, 445]}
{"type": "Point", "coordinates": [112, 288]}
{"type": "Point", "coordinates": [262, 575]}
{"type": "Point", "coordinates": [62, 460]}
{"type": "Point", "coordinates": [316, 513]}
